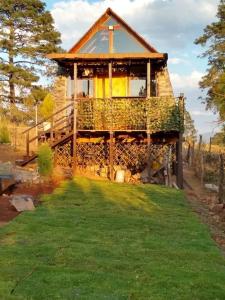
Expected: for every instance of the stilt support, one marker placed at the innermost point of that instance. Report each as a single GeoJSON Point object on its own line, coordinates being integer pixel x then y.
{"type": "Point", "coordinates": [179, 168]}
{"type": "Point", "coordinates": [111, 156]}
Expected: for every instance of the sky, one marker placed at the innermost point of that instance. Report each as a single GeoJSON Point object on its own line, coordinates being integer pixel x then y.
{"type": "Point", "coordinates": [171, 26]}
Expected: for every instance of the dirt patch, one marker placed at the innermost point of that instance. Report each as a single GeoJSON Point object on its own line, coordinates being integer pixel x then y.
{"type": "Point", "coordinates": [205, 203]}
{"type": "Point", "coordinates": [8, 153]}
{"type": "Point", "coordinates": [8, 212]}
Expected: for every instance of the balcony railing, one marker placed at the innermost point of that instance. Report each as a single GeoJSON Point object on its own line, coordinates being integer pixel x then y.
{"type": "Point", "coordinates": [153, 114]}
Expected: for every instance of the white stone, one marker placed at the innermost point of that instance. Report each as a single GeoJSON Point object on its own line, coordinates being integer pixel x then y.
{"type": "Point", "coordinates": [22, 202]}
{"type": "Point", "coordinates": [212, 187]}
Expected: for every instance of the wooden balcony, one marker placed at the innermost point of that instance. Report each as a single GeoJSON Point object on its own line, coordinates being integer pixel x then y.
{"type": "Point", "coordinates": [155, 114]}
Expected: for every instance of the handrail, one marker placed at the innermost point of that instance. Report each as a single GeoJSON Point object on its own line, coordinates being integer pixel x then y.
{"type": "Point", "coordinates": [50, 117]}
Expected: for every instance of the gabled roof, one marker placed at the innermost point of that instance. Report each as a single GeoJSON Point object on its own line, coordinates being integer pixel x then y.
{"type": "Point", "coordinates": [96, 26]}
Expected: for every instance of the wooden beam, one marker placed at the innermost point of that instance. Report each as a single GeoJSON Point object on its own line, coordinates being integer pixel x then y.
{"type": "Point", "coordinates": [74, 144]}
{"type": "Point", "coordinates": [100, 56]}
{"type": "Point", "coordinates": [149, 79]}
{"type": "Point", "coordinates": [111, 41]}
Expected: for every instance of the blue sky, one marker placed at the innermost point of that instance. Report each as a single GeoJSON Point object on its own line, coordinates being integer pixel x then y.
{"type": "Point", "coordinates": [169, 25]}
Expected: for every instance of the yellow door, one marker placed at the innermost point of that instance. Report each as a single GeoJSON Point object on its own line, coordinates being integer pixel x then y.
{"type": "Point", "coordinates": [119, 87]}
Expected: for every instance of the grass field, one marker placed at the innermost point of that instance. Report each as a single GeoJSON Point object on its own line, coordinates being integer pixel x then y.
{"type": "Point", "coordinates": [100, 240]}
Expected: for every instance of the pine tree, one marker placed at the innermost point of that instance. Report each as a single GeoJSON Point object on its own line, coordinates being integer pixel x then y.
{"type": "Point", "coordinates": [27, 34]}
{"type": "Point", "coordinates": [190, 133]}
{"type": "Point", "coordinates": [214, 81]}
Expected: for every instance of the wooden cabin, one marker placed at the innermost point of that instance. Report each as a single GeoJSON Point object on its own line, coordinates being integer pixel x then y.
{"type": "Point", "coordinates": [115, 106]}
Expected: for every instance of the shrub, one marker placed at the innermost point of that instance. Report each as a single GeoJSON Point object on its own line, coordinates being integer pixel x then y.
{"type": "Point", "coordinates": [47, 106]}
{"type": "Point", "coordinates": [45, 160]}
{"type": "Point", "coordinates": [4, 134]}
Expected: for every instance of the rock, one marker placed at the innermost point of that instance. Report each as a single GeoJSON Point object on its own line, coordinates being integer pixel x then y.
{"type": "Point", "coordinates": [217, 208]}
{"type": "Point", "coordinates": [120, 176]}
{"type": "Point", "coordinates": [25, 175]}
{"type": "Point", "coordinates": [212, 187]}
{"type": "Point", "coordinates": [127, 175]}
{"type": "Point", "coordinates": [22, 202]}
{"type": "Point", "coordinates": [144, 175]}
{"type": "Point", "coordinates": [6, 168]}
{"type": "Point", "coordinates": [216, 218]}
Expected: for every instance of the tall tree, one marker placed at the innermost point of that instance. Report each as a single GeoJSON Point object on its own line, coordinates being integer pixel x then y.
{"type": "Point", "coordinates": [190, 132]}
{"type": "Point", "coordinates": [213, 82]}
{"type": "Point", "coordinates": [27, 34]}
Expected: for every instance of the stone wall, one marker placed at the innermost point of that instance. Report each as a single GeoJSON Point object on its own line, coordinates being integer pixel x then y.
{"type": "Point", "coordinates": [164, 86]}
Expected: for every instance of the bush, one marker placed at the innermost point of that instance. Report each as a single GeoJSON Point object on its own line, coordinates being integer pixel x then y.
{"type": "Point", "coordinates": [4, 134]}
{"type": "Point", "coordinates": [47, 106]}
{"type": "Point", "coordinates": [45, 160]}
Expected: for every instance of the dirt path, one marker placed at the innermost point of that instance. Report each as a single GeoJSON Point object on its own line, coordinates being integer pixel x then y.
{"type": "Point", "coordinates": [205, 204]}
{"type": "Point", "coordinates": [8, 153]}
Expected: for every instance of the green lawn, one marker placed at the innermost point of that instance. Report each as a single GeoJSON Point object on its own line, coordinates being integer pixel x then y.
{"type": "Point", "coordinates": [100, 240]}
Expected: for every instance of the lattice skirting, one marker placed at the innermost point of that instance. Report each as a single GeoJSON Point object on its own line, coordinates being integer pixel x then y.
{"type": "Point", "coordinates": [62, 155]}
{"type": "Point", "coordinates": [90, 154]}
{"type": "Point", "coordinates": [133, 156]}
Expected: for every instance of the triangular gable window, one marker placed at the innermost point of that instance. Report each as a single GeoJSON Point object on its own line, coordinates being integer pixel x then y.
{"type": "Point", "coordinates": [112, 37]}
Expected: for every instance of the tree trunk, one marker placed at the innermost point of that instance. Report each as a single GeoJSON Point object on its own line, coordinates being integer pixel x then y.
{"type": "Point", "coordinates": [11, 64]}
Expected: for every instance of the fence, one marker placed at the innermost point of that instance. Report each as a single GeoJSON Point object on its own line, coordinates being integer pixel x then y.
{"type": "Point", "coordinates": [208, 165]}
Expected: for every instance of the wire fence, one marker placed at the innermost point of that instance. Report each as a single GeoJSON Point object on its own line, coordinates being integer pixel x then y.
{"type": "Point", "coordinates": [208, 165]}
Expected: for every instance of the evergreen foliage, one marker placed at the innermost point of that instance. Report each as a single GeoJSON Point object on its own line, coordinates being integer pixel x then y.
{"type": "Point", "coordinates": [190, 132]}
{"type": "Point", "coordinates": [27, 34]}
{"type": "Point", "coordinates": [45, 160]}
{"type": "Point", "coordinates": [214, 81]}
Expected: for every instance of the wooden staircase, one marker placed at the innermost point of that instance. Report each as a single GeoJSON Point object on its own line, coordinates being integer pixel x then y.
{"type": "Point", "coordinates": [55, 130]}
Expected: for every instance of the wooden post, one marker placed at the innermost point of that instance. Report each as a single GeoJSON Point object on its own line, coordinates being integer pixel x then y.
{"type": "Point", "coordinates": [110, 79]}
{"type": "Point", "coordinates": [1, 186]}
{"type": "Point", "coordinates": [221, 179]}
{"type": "Point", "coordinates": [51, 131]}
{"type": "Point", "coordinates": [179, 162]}
{"type": "Point", "coordinates": [28, 142]}
{"type": "Point", "coordinates": [36, 121]}
{"type": "Point", "coordinates": [110, 95]}
{"type": "Point", "coordinates": [202, 168]}
{"type": "Point", "coordinates": [149, 79]}
{"type": "Point", "coordinates": [149, 162]}
{"type": "Point", "coordinates": [200, 143]}
{"type": "Point", "coordinates": [192, 158]}
{"type": "Point", "coordinates": [210, 144]}
{"type": "Point", "coordinates": [169, 161]}
{"type": "Point", "coordinates": [75, 117]}
{"type": "Point", "coordinates": [111, 156]}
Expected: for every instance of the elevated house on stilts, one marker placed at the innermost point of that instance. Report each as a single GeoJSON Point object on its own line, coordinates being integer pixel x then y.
{"type": "Point", "coordinates": [116, 108]}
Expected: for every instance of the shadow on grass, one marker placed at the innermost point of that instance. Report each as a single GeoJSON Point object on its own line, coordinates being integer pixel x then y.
{"type": "Point", "coordinates": [82, 191]}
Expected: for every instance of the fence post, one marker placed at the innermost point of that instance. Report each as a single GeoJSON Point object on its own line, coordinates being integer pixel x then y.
{"type": "Point", "coordinates": [202, 168]}
{"type": "Point", "coordinates": [221, 179]}
{"type": "Point", "coordinates": [200, 143]}
{"type": "Point", "coordinates": [28, 142]}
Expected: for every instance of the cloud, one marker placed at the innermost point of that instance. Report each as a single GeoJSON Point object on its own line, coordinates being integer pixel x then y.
{"type": "Point", "coordinates": [176, 61]}
{"type": "Point", "coordinates": [201, 113]}
{"type": "Point", "coordinates": [166, 24]}
{"type": "Point", "coordinates": [186, 82]}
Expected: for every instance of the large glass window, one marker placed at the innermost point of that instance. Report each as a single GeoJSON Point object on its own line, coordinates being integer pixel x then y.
{"type": "Point", "coordinates": [84, 88]}
{"type": "Point", "coordinates": [137, 87]}
{"type": "Point", "coordinates": [123, 41]}
{"type": "Point", "coordinates": [99, 43]}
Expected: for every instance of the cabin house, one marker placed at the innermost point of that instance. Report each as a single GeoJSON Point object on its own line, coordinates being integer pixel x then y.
{"type": "Point", "coordinates": [115, 107]}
